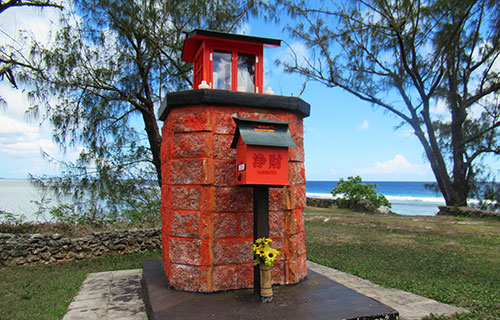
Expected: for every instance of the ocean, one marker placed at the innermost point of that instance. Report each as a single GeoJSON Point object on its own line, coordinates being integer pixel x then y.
{"type": "Point", "coordinates": [407, 198]}
{"type": "Point", "coordinates": [17, 196]}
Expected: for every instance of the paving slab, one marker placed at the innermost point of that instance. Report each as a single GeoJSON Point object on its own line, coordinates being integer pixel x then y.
{"type": "Point", "coordinates": [317, 297]}
{"type": "Point", "coordinates": [110, 295]}
{"type": "Point", "coordinates": [119, 295]}
{"type": "Point", "coordinates": [409, 305]}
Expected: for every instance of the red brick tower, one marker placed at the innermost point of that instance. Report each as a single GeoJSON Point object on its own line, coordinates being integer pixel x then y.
{"type": "Point", "coordinates": [207, 220]}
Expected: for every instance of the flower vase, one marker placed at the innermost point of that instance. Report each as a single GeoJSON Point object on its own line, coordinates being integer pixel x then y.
{"type": "Point", "coordinates": [266, 287]}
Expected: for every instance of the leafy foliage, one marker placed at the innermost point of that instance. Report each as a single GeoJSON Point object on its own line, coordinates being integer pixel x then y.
{"type": "Point", "coordinates": [406, 57]}
{"type": "Point", "coordinates": [100, 84]}
{"type": "Point", "coordinates": [353, 190]}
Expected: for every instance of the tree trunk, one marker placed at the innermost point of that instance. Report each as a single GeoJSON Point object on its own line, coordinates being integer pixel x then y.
{"type": "Point", "coordinates": [438, 165]}
{"type": "Point", "coordinates": [458, 116]}
{"type": "Point", "coordinates": [154, 139]}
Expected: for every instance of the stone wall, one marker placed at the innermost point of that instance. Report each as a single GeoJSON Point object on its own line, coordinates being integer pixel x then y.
{"type": "Point", "coordinates": [319, 202]}
{"type": "Point", "coordinates": [466, 212]}
{"type": "Point", "coordinates": [20, 249]}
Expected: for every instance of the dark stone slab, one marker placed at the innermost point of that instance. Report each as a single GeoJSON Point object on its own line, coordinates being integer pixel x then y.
{"type": "Point", "coordinates": [317, 297]}
{"type": "Point", "coordinates": [232, 98]}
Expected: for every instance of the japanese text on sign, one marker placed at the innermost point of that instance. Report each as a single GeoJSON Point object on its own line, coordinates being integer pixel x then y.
{"type": "Point", "coordinates": [260, 160]}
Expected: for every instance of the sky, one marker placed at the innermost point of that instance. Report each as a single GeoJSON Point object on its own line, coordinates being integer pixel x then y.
{"type": "Point", "coordinates": [344, 136]}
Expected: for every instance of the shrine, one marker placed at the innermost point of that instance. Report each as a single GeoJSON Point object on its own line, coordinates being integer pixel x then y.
{"type": "Point", "coordinates": [233, 183]}
{"type": "Point", "coordinates": [208, 210]}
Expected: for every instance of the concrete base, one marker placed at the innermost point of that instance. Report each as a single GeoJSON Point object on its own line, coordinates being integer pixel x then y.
{"type": "Point", "coordinates": [317, 297]}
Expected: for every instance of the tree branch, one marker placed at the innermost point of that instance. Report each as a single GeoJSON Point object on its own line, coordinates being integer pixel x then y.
{"type": "Point", "coordinates": [34, 3]}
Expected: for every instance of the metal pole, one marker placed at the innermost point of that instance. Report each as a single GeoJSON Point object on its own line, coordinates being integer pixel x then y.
{"type": "Point", "coordinates": [260, 224]}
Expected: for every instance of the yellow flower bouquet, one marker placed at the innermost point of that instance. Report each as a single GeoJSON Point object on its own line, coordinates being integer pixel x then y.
{"type": "Point", "coordinates": [263, 253]}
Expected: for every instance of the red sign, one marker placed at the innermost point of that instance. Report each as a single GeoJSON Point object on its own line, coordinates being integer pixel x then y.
{"type": "Point", "coordinates": [261, 165]}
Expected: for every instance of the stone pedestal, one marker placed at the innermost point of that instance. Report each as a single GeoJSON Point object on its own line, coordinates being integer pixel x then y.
{"type": "Point", "coordinates": [207, 221]}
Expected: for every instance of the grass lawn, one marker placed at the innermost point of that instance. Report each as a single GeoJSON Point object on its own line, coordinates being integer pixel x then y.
{"type": "Point", "coordinates": [45, 291]}
{"type": "Point", "coordinates": [452, 260]}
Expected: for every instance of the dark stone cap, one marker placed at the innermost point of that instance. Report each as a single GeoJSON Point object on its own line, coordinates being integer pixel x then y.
{"type": "Point", "coordinates": [216, 97]}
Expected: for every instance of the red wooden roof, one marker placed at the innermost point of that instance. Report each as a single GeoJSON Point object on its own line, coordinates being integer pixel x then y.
{"type": "Point", "coordinates": [195, 37]}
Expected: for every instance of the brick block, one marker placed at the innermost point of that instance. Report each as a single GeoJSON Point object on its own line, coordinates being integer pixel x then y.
{"type": "Point", "coordinates": [222, 147]}
{"type": "Point", "coordinates": [231, 251]}
{"type": "Point", "coordinates": [297, 154]}
{"type": "Point", "coordinates": [290, 222]}
{"type": "Point", "coordinates": [276, 220]}
{"type": "Point", "coordinates": [288, 200]}
{"type": "Point", "coordinates": [165, 149]}
{"type": "Point", "coordinates": [185, 251]}
{"type": "Point", "coordinates": [302, 266]}
{"type": "Point", "coordinates": [295, 270]}
{"type": "Point", "coordinates": [275, 199]}
{"type": "Point", "coordinates": [224, 120]}
{"type": "Point", "coordinates": [246, 224]}
{"type": "Point", "coordinates": [225, 173]}
{"type": "Point", "coordinates": [294, 197]}
{"type": "Point", "coordinates": [275, 115]}
{"type": "Point", "coordinates": [206, 226]}
{"type": "Point", "coordinates": [299, 218]}
{"type": "Point", "coordinates": [186, 224]}
{"type": "Point", "coordinates": [207, 198]}
{"type": "Point", "coordinates": [166, 219]}
{"type": "Point", "coordinates": [291, 274]}
{"type": "Point", "coordinates": [189, 278]}
{"type": "Point", "coordinates": [233, 199]}
{"type": "Point", "coordinates": [225, 278]}
{"type": "Point", "coordinates": [299, 193]}
{"type": "Point", "coordinates": [245, 275]}
{"type": "Point", "coordinates": [278, 273]}
{"type": "Point", "coordinates": [296, 127]}
{"type": "Point", "coordinates": [225, 225]}
{"type": "Point", "coordinates": [191, 172]}
{"type": "Point", "coordinates": [192, 145]}
{"type": "Point", "coordinates": [165, 254]}
{"type": "Point", "coordinates": [186, 198]}
{"type": "Point", "coordinates": [166, 169]}
{"type": "Point", "coordinates": [296, 173]}
{"type": "Point", "coordinates": [166, 196]}
{"type": "Point", "coordinates": [190, 119]}
{"type": "Point", "coordinates": [297, 245]}
{"type": "Point", "coordinates": [294, 221]}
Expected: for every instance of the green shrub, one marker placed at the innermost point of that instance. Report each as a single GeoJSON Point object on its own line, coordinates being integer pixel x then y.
{"type": "Point", "coordinates": [353, 191]}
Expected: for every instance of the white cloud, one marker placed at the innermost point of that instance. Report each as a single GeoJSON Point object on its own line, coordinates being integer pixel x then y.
{"type": "Point", "coordinates": [295, 52]}
{"type": "Point", "coordinates": [365, 126]}
{"type": "Point", "coordinates": [405, 133]}
{"type": "Point", "coordinates": [18, 138]}
{"type": "Point", "coordinates": [439, 107]}
{"type": "Point", "coordinates": [20, 141]}
{"type": "Point", "coordinates": [41, 23]}
{"type": "Point", "coordinates": [396, 167]}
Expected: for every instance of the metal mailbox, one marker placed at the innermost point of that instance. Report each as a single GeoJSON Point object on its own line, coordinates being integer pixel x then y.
{"type": "Point", "coordinates": [262, 151]}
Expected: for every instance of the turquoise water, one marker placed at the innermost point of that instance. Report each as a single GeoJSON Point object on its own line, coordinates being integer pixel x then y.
{"type": "Point", "coordinates": [406, 197]}
{"type": "Point", "coordinates": [16, 197]}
